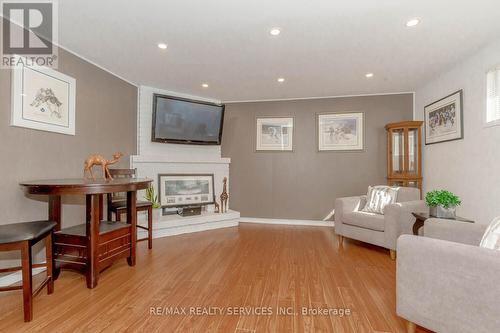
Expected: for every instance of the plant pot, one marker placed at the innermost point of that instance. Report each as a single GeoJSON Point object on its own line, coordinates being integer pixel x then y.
{"type": "Point", "coordinates": [441, 212]}
{"type": "Point", "coordinates": [157, 214]}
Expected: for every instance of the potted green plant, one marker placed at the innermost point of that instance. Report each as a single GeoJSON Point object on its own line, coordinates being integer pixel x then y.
{"type": "Point", "coordinates": [153, 198]}
{"type": "Point", "coordinates": [442, 203]}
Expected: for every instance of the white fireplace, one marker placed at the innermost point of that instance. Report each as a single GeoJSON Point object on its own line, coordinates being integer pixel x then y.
{"type": "Point", "coordinates": [158, 158]}
{"type": "Point", "coordinates": [152, 166]}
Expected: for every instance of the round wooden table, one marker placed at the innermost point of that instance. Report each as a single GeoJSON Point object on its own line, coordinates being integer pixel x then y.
{"type": "Point", "coordinates": [79, 247]}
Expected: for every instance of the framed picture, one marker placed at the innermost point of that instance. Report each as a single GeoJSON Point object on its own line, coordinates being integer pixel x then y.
{"type": "Point", "coordinates": [43, 99]}
{"type": "Point", "coordinates": [444, 119]}
{"type": "Point", "coordinates": [274, 134]}
{"type": "Point", "coordinates": [340, 131]}
{"type": "Point", "coordinates": [178, 190]}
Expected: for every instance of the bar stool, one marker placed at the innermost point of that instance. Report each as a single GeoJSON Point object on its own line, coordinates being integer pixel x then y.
{"type": "Point", "coordinates": [117, 204]}
{"type": "Point", "coordinates": [22, 236]}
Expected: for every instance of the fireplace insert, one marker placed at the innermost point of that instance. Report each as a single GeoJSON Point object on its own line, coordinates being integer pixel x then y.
{"type": "Point", "coordinates": [182, 190]}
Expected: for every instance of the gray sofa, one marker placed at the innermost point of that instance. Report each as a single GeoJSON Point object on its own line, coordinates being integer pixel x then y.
{"type": "Point", "coordinates": [446, 282]}
{"type": "Point", "coordinates": [381, 230]}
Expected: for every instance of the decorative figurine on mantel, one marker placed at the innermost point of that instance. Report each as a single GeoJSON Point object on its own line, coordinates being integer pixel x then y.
{"type": "Point", "coordinates": [224, 196]}
{"type": "Point", "coordinates": [217, 208]}
{"type": "Point", "coordinates": [94, 160]}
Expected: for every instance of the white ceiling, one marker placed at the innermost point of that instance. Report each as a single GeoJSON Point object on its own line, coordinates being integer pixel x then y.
{"type": "Point", "coordinates": [325, 49]}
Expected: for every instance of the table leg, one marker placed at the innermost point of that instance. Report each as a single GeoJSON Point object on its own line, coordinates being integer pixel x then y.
{"type": "Point", "coordinates": [101, 207]}
{"type": "Point", "coordinates": [417, 225]}
{"type": "Point", "coordinates": [49, 257]}
{"type": "Point", "coordinates": [92, 229]}
{"type": "Point", "coordinates": [55, 210]}
{"type": "Point", "coordinates": [132, 220]}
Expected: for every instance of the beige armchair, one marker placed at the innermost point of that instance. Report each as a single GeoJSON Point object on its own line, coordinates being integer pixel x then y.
{"type": "Point", "coordinates": [382, 230]}
{"type": "Point", "coordinates": [447, 283]}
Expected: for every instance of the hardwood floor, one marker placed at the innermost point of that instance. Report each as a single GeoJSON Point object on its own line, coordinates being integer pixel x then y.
{"type": "Point", "coordinates": [257, 267]}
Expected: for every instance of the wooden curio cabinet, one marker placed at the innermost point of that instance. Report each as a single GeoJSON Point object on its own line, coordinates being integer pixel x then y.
{"type": "Point", "coordinates": [404, 154]}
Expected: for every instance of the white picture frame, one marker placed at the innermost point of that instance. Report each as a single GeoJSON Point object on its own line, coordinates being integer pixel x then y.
{"type": "Point", "coordinates": [42, 99]}
{"type": "Point", "coordinates": [340, 131]}
{"type": "Point", "coordinates": [444, 119]}
{"type": "Point", "coordinates": [274, 133]}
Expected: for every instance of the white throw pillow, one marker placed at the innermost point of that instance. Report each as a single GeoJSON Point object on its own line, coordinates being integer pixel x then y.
{"type": "Point", "coordinates": [378, 197]}
{"type": "Point", "coordinates": [491, 238]}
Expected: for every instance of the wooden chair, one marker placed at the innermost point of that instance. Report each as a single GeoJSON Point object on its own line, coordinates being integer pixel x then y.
{"type": "Point", "coordinates": [117, 204]}
{"type": "Point", "coordinates": [22, 236]}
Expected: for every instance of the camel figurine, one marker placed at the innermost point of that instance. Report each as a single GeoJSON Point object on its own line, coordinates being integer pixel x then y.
{"type": "Point", "coordinates": [94, 160]}
{"type": "Point", "coordinates": [223, 197]}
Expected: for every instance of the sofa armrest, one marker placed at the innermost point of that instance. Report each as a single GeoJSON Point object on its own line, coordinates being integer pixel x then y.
{"type": "Point", "coordinates": [399, 218]}
{"type": "Point", "coordinates": [446, 286]}
{"type": "Point", "coordinates": [345, 205]}
{"type": "Point", "coordinates": [454, 231]}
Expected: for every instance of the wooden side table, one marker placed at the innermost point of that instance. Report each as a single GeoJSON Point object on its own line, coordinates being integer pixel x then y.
{"type": "Point", "coordinates": [421, 217]}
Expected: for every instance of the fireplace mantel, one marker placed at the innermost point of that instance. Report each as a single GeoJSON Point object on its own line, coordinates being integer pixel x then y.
{"type": "Point", "coordinates": [179, 159]}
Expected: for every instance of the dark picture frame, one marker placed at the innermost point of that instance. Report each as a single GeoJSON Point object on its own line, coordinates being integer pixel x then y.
{"type": "Point", "coordinates": [445, 112]}
{"type": "Point", "coordinates": [160, 188]}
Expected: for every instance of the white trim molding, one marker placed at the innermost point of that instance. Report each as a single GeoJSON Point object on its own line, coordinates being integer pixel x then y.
{"type": "Point", "coordinates": [313, 223]}
{"type": "Point", "coordinates": [314, 97]}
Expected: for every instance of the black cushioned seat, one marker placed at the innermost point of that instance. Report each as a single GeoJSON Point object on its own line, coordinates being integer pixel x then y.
{"type": "Point", "coordinates": [16, 232]}
{"type": "Point", "coordinates": [21, 237]}
{"type": "Point", "coordinates": [122, 204]}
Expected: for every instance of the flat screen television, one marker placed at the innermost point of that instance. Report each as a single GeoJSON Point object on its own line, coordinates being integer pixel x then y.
{"type": "Point", "coordinates": [180, 120]}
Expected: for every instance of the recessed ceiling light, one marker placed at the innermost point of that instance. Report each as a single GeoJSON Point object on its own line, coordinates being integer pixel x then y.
{"type": "Point", "coordinates": [412, 22]}
{"type": "Point", "coordinates": [162, 46]}
{"type": "Point", "coordinates": [281, 80]}
{"type": "Point", "coordinates": [275, 31]}
{"type": "Point", "coordinates": [204, 85]}
{"type": "Point", "coordinates": [368, 75]}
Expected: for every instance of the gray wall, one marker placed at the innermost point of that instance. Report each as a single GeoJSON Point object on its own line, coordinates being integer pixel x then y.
{"type": "Point", "coordinates": [105, 123]}
{"type": "Point", "coordinates": [303, 184]}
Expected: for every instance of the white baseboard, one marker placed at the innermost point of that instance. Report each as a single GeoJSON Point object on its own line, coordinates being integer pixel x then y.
{"type": "Point", "coordinates": [16, 277]}
{"type": "Point", "coordinates": [314, 223]}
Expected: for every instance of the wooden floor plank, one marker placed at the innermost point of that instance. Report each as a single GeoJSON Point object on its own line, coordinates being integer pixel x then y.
{"type": "Point", "coordinates": [282, 268]}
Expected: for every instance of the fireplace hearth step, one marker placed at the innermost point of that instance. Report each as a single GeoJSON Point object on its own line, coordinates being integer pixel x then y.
{"type": "Point", "coordinates": [170, 225]}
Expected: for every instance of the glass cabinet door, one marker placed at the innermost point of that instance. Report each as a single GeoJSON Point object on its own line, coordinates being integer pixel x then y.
{"type": "Point", "coordinates": [398, 153]}
{"type": "Point", "coordinates": [413, 150]}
